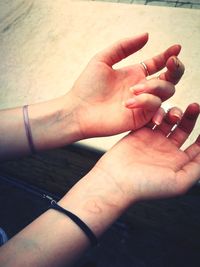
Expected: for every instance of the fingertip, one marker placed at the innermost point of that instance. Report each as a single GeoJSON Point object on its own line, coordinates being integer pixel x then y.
{"type": "Point", "coordinates": [176, 111]}
{"type": "Point", "coordinates": [147, 35]}
{"type": "Point", "coordinates": [174, 119]}
{"type": "Point", "coordinates": [193, 110]}
{"type": "Point", "coordinates": [157, 121]}
{"type": "Point", "coordinates": [158, 116]}
{"type": "Point", "coordinates": [173, 64]}
{"type": "Point", "coordinates": [190, 115]}
{"type": "Point", "coordinates": [146, 101]}
{"type": "Point", "coordinates": [195, 106]}
{"type": "Point", "coordinates": [173, 50]}
{"type": "Point", "coordinates": [144, 36]}
{"type": "Point", "coordinates": [175, 69]}
{"type": "Point", "coordinates": [179, 47]}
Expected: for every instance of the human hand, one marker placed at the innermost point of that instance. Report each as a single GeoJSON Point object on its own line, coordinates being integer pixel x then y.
{"type": "Point", "coordinates": [144, 164]}
{"type": "Point", "coordinates": [150, 164]}
{"type": "Point", "coordinates": [100, 90]}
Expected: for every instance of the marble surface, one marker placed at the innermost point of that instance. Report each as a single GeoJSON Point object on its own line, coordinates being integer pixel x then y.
{"type": "Point", "coordinates": [44, 45]}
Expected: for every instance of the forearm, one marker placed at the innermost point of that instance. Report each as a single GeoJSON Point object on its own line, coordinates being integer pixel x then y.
{"type": "Point", "coordinates": [54, 239]}
{"type": "Point", "coordinates": [53, 124]}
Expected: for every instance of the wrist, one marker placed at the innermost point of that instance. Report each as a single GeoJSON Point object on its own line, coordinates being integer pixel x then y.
{"type": "Point", "coordinates": [97, 200]}
{"type": "Point", "coordinates": [53, 123]}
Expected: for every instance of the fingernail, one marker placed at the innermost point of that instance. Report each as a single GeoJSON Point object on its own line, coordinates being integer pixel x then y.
{"type": "Point", "coordinates": [176, 62]}
{"type": "Point", "coordinates": [130, 102]}
{"type": "Point", "coordinates": [158, 120]}
{"type": "Point", "coordinates": [177, 116]}
{"type": "Point", "coordinates": [138, 88]}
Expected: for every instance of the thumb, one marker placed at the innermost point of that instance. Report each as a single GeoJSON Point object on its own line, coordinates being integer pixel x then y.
{"type": "Point", "coordinates": [148, 102]}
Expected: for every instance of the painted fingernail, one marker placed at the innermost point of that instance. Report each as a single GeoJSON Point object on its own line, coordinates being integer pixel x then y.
{"type": "Point", "coordinates": [158, 120]}
{"type": "Point", "coordinates": [138, 88]}
{"type": "Point", "coordinates": [177, 115]}
{"type": "Point", "coordinates": [176, 118]}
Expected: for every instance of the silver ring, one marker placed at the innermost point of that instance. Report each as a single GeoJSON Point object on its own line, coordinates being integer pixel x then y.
{"type": "Point", "coordinates": [145, 68]}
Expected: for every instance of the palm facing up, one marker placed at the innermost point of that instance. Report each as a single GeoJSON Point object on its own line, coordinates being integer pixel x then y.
{"type": "Point", "coordinates": [147, 164]}
{"type": "Point", "coordinates": [101, 90]}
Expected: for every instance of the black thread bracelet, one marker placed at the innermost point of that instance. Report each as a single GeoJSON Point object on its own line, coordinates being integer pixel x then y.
{"type": "Point", "coordinates": [77, 220]}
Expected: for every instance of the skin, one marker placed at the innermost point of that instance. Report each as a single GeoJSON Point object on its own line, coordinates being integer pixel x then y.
{"type": "Point", "coordinates": [152, 152]}
{"type": "Point", "coordinates": [149, 170]}
{"type": "Point", "coordinates": [100, 90]}
{"type": "Point", "coordinates": [108, 88]}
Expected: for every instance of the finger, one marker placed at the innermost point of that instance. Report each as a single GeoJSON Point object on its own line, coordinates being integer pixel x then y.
{"type": "Point", "coordinates": [175, 70]}
{"type": "Point", "coordinates": [174, 115]}
{"type": "Point", "coordinates": [160, 88]}
{"type": "Point", "coordinates": [158, 62]}
{"type": "Point", "coordinates": [145, 101]}
{"type": "Point", "coordinates": [122, 49]}
{"type": "Point", "coordinates": [186, 125]}
{"type": "Point", "coordinates": [171, 119]}
{"type": "Point", "coordinates": [158, 117]}
{"type": "Point", "coordinates": [193, 150]}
